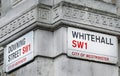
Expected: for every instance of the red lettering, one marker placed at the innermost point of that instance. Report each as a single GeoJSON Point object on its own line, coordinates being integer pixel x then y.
{"type": "Point", "coordinates": [97, 57]}
{"type": "Point", "coordinates": [74, 43]}
{"type": "Point", "coordinates": [90, 56]}
{"type": "Point", "coordinates": [75, 53]}
{"type": "Point", "coordinates": [79, 44]}
{"type": "Point", "coordinates": [25, 49]}
{"type": "Point", "coordinates": [78, 54]}
{"type": "Point", "coordinates": [86, 45]}
{"type": "Point", "coordinates": [20, 61]}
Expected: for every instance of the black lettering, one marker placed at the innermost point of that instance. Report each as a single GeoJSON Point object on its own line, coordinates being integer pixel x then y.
{"type": "Point", "coordinates": [16, 45]}
{"type": "Point", "coordinates": [102, 40]}
{"type": "Point", "coordinates": [111, 42]}
{"type": "Point", "coordinates": [107, 41]}
{"type": "Point", "coordinates": [81, 35]}
{"type": "Point", "coordinates": [97, 39]}
{"type": "Point", "coordinates": [14, 55]}
{"type": "Point", "coordinates": [92, 38]}
{"type": "Point", "coordinates": [78, 35]}
{"type": "Point", "coordinates": [88, 36]}
{"type": "Point", "coordinates": [75, 34]}
{"type": "Point", "coordinates": [9, 49]}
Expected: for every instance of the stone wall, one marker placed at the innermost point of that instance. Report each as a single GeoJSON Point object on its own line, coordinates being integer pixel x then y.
{"type": "Point", "coordinates": [50, 20]}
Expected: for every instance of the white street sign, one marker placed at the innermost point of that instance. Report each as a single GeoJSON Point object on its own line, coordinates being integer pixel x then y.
{"type": "Point", "coordinates": [92, 45]}
{"type": "Point", "coordinates": [19, 52]}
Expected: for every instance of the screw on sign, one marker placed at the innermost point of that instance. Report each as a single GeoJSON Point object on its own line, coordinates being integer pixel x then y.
{"type": "Point", "coordinates": [25, 49]}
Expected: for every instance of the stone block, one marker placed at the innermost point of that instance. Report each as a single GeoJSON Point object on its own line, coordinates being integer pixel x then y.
{"type": "Point", "coordinates": [47, 2]}
{"type": "Point", "coordinates": [60, 41]}
{"type": "Point", "coordinates": [85, 17]}
{"type": "Point", "coordinates": [46, 17]}
{"type": "Point", "coordinates": [45, 67]}
{"type": "Point", "coordinates": [1, 70]}
{"type": "Point", "coordinates": [95, 4]}
{"type": "Point", "coordinates": [44, 14]}
{"type": "Point", "coordinates": [43, 43]}
{"type": "Point", "coordinates": [29, 69]}
{"type": "Point", "coordinates": [49, 43]}
{"type": "Point", "coordinates": [65, 66]}
{"type": "Point", "coordinates": [119, 54]}
{"type": "Point", "coordinates": [11, 12]}
{"type": "Point", "coordinates": [110, 1]}
{"type": "Point", "coordinates": [99, 69]}
{"type": "Point", "coordinates": [39, 67]}
{"type": "Point", "coordinates": [17, 24]}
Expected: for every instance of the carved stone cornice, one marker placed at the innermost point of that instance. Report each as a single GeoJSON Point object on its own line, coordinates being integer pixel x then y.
{"type": "Point", "coordinates": [1, 55]}
{"type": "Point", "coordinates": [64, 11]}
{"type": "Point", "coordinates": [37, 14]}
{"type": "Point", "coordinates": [17, 24]}
{"type": "Point", "coordinates": [87, 16]}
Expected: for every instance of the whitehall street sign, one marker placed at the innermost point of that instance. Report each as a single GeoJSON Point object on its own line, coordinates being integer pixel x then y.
{"type": "Point", "coordinates": [18, 52]}
{"type": "Point", "coordinates": [92, 46]}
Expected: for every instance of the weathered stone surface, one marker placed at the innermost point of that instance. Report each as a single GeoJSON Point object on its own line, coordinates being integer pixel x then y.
{"type": "Point", "coordinates": [47, 2]}
{"type": "Point", "coordinates": [60, 41]}
{"type": "Point", "coordinates": [15, 2]}
{"type": "Point", "coordinates": [47, 18]}
{"type": "Point", "coordinates": [104, 70]}
{"type": "Point", "coordinates": [50, 44]}
{"type": "Point", "coordinates": [18, 24]}
{"type": "Point", "coordinates": [39, 67]}
{"type": "Point", "coordinates": [45, 67]}
{"type": "Point", "coordinates": [43, 43]}
{"type": "Point", "coordinates": [95, 4]}
{"type": "Point", "coordinates": [118, 7]}
{"type": "Point", "coordinates": [84, 16]}
{"type": "Point", "coordinates": [29, 69]}
{"type": "Point", "coordinates": [1, 55]}
{"type": "Point", "coordinates": [109, 1]}
{"type": "Point", "coordinates": [30, 17]}
{"type": "Point", "coordinates": [12, 12]}
{"type": "Point", "coordinates": [43, 14]}
{"type": "Point", "coordinates": [1, 70]}
{"type": "Point", "coordinates": [65, 66]}
{"type": "Point", "coordinates": [119, 54]}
